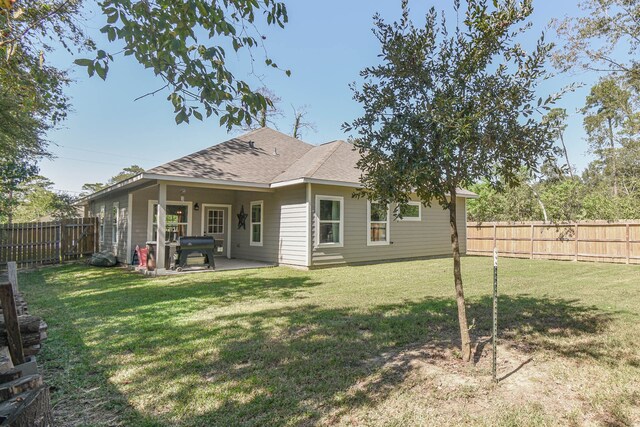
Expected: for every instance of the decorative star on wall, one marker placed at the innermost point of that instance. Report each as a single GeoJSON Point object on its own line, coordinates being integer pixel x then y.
{"type": "Point", "coordinates": [242, 219]}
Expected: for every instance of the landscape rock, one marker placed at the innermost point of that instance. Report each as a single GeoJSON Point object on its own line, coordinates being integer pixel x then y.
{"type": "Point", "coordinates": [103, 259]}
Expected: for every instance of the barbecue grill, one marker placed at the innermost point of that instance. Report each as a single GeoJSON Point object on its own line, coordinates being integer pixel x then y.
{"type": "Point", "coordinates": [189, 245]}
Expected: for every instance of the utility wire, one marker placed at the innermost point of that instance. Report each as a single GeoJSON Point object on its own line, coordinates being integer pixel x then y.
{"type": "Point", "coordinates": [108, 154]}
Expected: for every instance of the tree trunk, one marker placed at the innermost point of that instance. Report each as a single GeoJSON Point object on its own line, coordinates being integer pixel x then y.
{"type": "Point", "coordinates": [296, 124]}
{"type": "Point", "coordinates": [457, 274]}
{"type": "Point", "coordinates": [566, 156]}
{"type": "Point", "coordinates": [614, 170]}
{"type": "Point", "coordinates": [537, 196]}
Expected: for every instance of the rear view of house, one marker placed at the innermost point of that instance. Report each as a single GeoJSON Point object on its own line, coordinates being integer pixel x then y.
{"type": "Point", "coordinates": [266, 196]}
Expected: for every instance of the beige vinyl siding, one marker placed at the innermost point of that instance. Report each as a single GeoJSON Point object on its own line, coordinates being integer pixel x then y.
{"type": "Point", "coordinates": [193, 195]}
{"type": "Point", "coordinates": [293, 227]}
{"type": "Point", "coordinates": [120, 250]}
{"type": "Point", "coordinates": [284, 226]}
{"type": "Point", "coordinates": [409, 239]}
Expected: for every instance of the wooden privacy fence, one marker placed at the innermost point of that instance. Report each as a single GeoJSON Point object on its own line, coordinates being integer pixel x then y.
{"type": "Point", "coordinates": [596, 241]}
{"type": "Point", "coordinates": [38, 243]}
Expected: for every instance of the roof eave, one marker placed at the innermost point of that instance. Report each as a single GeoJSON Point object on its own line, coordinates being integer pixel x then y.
{"type": "Point", "coordinates": [209, 181]}
{"type": "Point", "coordinates": [465, 195]}
{"type": "Point", "coordinates": [117, 186]}
{"type": "Point", "coordinates": [315, 181]}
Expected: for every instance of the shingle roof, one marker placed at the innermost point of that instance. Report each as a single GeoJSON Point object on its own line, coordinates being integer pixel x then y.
{"type": "Point", "coordinates": [334, 161]}
{"type": "Point", "coordinates": [266, 156]}
{"type": "Point", "coordinates": [257, 157]}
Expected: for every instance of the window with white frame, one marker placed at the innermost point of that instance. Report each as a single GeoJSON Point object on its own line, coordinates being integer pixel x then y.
{"type": "Point", "coordinates": [377, 223]}
{"type": "Point", "coordinates": [330, 221]}
{"type": "Point", "coordinates": [115, 221]}
{"type": "Point", "coordinates": [411, 212]}
{"type": "Point", "coordinates": [101, 213]}
{"type": "Point", "coordinates": [256, 223]}
{"type": "Point", "coordinates": [176, 220]}
{"type": "Point", "coordinates": [215, 221]}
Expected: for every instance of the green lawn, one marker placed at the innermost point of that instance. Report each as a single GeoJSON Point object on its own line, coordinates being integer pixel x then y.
{"type": "Point", "coordinates": [369, 345]}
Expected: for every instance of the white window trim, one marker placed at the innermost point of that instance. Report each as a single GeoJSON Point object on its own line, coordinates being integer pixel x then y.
{"type": "Point", "coordinates": [251, 223]}
{"type": "Point", "coordinates": [150, 235]}
{"type": "Point", "coordinates": [388, 222]}
{"type": "Point", "coordinates": [101, 215]}
{"type": "Point", "coordinates": [115, 237]}
{"type": "Point", "coordinates": [340, 199]}
{"type": "Point", "coordinates": [418, 218]}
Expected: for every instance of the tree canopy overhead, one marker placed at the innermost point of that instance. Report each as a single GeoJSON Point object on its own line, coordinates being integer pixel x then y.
{"type": "Point", "coordinates": [186, 45]}
{"type": "Point", "coordinates": [446, 108]}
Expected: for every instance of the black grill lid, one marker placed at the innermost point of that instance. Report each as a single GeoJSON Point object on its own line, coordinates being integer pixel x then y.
{"type": "Point", "coordinates": [196, 241]}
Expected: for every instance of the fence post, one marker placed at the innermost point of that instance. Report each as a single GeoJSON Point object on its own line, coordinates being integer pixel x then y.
{"type": "Point", "coordinates": [494, 235]}
{"type": "Point", "coordinates": [532, 235]}
{"type": "Point", "coordinates": [10, 314]}
{"type": "Point", "coordinates": [12, 272]}
{"type": "Point", "coordinates": [628, 243]}
{"type": "Point", "coordinates": [575, 257]}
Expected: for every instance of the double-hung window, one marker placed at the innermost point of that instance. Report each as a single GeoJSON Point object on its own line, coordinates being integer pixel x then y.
{"type": "Point", "coordinates": [330, 221]}
{"type": "Point", "coordinates": [115, 221]}
{"type": "Point", "coordinates": [257, 216]}
{"type": "Point", "coordinates": [377, 223]}
{"type": "Point", "coordinates": [411, 212]}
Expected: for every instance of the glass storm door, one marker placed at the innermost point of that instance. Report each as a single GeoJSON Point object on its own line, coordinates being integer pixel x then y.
{"type": "Point", "coordinates": [215, 225]}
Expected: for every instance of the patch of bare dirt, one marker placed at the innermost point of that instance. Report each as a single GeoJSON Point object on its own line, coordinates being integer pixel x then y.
{"type": "Point", "coordinates": [430, 384]}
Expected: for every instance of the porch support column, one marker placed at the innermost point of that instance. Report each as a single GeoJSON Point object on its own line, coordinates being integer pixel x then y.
{"type": "Point", "coordinates": [162, 222]}
{"type": "Point", "coordinates": [309, 224]}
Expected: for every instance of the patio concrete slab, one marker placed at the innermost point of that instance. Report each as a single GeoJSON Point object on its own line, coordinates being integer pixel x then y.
{"type": "Point", "coordinates": [222, 264]}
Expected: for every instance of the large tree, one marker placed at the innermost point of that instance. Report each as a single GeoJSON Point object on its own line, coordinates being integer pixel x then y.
{"type": "Point", "coordinates": [125, 173]}
{"type": "Point", "coordinates": [608, 120]}
{"type": "Point", "coordinates": [450, 104]}
{"type": "Point", "coordinates": [37, 200]}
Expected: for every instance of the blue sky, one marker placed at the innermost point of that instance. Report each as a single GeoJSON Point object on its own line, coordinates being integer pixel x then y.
{"type": "Point", "coordinates": [325, 45]}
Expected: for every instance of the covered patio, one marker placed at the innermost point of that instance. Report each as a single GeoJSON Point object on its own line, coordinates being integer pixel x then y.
{"type": "Point", "coordinates": [222, 264]}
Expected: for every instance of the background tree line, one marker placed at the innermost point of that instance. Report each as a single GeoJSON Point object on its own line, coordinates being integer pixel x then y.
{"type": "Point", "coordinates": [604, 41]}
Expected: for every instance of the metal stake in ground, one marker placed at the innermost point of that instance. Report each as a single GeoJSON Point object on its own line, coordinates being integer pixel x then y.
{"type": "Point", "coordinates": [495, 313]}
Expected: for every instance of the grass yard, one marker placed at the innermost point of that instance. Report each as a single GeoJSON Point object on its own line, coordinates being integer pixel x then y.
{"type": "Point", "coordinates": [368, 345]}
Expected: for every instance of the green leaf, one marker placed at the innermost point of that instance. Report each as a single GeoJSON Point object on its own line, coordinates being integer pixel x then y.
{"type": "Point", "coordinates": [83, 62]}
{"type": "Point", "coordinates": [101, 70]}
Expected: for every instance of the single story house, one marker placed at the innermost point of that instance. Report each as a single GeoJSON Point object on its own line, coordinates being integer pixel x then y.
{"type": "Point", "coordinates": [296, 200]}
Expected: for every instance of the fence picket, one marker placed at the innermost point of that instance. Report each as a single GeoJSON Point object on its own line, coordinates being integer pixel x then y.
{"type": "Point", "coordinates": [37, 243]}
{"type": "Point", "coordinates": [594, 241]}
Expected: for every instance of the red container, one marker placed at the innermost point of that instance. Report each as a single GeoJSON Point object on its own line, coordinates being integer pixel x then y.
{"type": "Point", "coordinates": [142, 256]}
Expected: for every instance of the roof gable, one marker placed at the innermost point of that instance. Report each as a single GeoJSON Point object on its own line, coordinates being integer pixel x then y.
{"type": "Point", "coordinates": [333, 161]}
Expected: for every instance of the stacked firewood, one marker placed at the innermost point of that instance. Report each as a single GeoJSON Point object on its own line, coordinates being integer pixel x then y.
{"type": "Point", "coordinates": [33, 330]}
{"type": "Point", "coordinates": [21, 305]}
{"type": "Point", "coordinates": [24, 398]}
